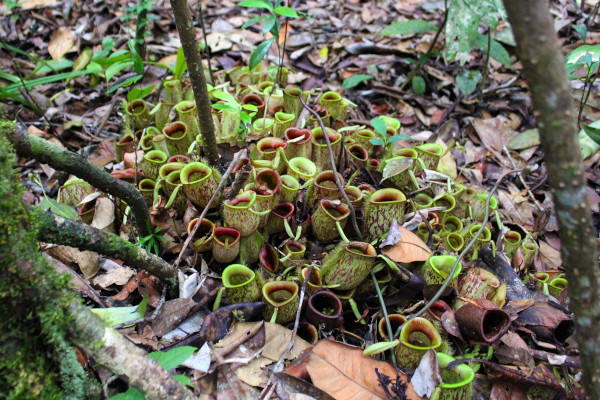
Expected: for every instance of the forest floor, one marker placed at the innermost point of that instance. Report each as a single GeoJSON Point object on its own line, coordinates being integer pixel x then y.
{"type": "Point", "coordinates": [479, 106]}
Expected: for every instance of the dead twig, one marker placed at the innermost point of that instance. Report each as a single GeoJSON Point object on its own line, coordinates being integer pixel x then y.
{"type": "Point", "coordinates": [236, 158]}
{"type": "Point", "coordinates": [335, 175]}
{"type": "Point", "coordinates": [520, 175]}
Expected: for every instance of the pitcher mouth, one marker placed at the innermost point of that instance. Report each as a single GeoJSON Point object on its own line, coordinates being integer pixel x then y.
{"type": "Point", "coordinates": [268, 179]}
{"type": "Point", "coordinates": [247, 197]}
{"type": "Point", "coordinates": [136, 107]}
{"type": "Point", "coordinates": [420, 334]}
{"type": "Point", "coordinates": [194, 173]}
{"type": "Point", "coordinates": [387, 196]}
{"type": "Point", "coordinates": [295, 133]}
{"type": "Point", "coordinates": [280, 293]}
{"type": "Point", "coordinates": [358, 152]}
{"type": "Point", "coordinates": [156, 155]}
{"type": "Point", "coordinates": [328, 176]}
{"type": "Point", "coordinates": [237, 275]}
{"type": "Point", "coordinates": [222, 233]}
{"type": "Point", "coordinates": [186, 106]}
{"type": "Point", "coordinates": [283, 209]}
{"type": "Point", "coordinates": [175, 130]}
{"type": "Point", "coordinates": [269, 145]}
{"type": "Point", "coordinates": [335, 211]}
{"type": "Point", "coordinates": [362, 248]}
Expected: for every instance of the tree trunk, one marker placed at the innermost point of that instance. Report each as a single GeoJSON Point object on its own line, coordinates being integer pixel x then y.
{"type": "Point", "coordinates": [545, 74]}
{"type": "Point", "coordinates": [187, 35]}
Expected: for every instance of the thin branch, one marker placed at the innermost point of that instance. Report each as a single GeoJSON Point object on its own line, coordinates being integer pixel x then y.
{"type": "Point", "coordinates": [47, 152]}
{"type": "Point", "coordinates": [520, 175]}
{"type": "Point", "coordinates": [335, 175]}
{"type": "Point", "coordinates": [236, 158]}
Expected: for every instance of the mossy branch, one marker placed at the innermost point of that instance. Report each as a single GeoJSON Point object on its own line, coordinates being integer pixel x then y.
{"type": "Point", "coordinates": [543, 65]}
{"type": "Point", "coordinates": [187, 35]}
{"type": "Point", "coordinates": [59, 230]}
{"type": "Point", "coordinates": [38, 305]}
{"type": "Point", "coordinates": [30, 146]}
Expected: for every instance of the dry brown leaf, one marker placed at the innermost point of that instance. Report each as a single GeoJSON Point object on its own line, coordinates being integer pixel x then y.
{"type": "Point", "coordinates": [87, 261]}
{"type": "Point", "coordinates": [493, 132]}
{"type": "Point", "coordinates": [29, 4]}
{"type": "Point", "coordinates": [104, 216]}
{"type": "Point", "coordinates": [409, 249]}
{"type": "Point", "coordinates": [63, 41]}
{"type": "Point", "coordinates": [117, 276]}
{"type": "Point", "coordinates": [549, 255]}
{"type": "Point", "coordinates": [344, 372]}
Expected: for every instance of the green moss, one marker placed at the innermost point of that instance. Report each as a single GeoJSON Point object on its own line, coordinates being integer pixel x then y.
{"type": "Point", "coordinates": [36, 360]}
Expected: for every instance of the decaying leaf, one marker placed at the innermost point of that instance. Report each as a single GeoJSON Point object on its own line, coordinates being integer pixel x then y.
{"type": "Point", "coordinates": [344, 372]}
{"type": "Point", "coordinates": [409, 247]}
{"type": "Point", "coordinates": [63, 41]}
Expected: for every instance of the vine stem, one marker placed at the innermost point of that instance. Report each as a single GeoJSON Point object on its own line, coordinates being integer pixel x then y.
{"type": "Point", "coordinates": [468, 247]}
{"type": "Point", "coordinates": [335, 174]}
{"type": "Point", "coordinates": [385, 313]}
{"type": "Point", "coordinates": [238, 156]}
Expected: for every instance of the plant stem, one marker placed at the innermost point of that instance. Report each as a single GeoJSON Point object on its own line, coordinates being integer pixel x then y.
{"type": "Point", "coordinates": [187, 35]}
{"type": "Point", "coordinates": [47, 152]}
{"type": "Point", "coordinates": [59, 230]}
{"type": "Point", "coordinates": [140, 28]}
{"type": "Point", "coordinates": [385, 313]}
{"type": "Point", "coordinates": [236, 158]}
{"type": "Point", "coordinates": [335, 175]}
{"type": "Point", "coordinates": [422, 60]}
{"type": "Point", "coordinates": [206, 46]}
{"type": "Point", "coordinates": [486, 67]}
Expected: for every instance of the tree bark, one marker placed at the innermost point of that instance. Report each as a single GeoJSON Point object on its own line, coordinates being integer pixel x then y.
{"type": "Point", "coordinates": [545, 74]}
{"type": "Point", "coordinates": [187, 35]}
{"type": "Point", "coordinates": [46, 152]}
{"type": "Point", "coordinates": [59, 230]}
{"type": "Point", "coordinates": [109, 348]}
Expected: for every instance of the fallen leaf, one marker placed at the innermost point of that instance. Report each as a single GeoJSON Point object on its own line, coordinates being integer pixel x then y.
{"type": "Point", "coordinates": [409, 248]}
{"type": "Point", "coordinates": [524, 140]}
{"type": "Point", "coordinates": [117, 276]}
{"type": "Point", "coordinates": [344, 372]}
{"type": "Point", "coordinates": [87, 261]}
{"type": "Point", "coordinates": [63, 41]}
{"type": "Point", "coordinates": [427, 375]}
{"type": "Point", "coordinates": [493, 132]}
{"type": "Point", "coordinates": [104, 216]}
{"type": "Point", "coordinates": [549, 255]}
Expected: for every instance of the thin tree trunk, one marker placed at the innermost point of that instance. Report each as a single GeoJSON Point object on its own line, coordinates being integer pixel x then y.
{"type": "Point", "coordinates": [58, 230]}
{"type": "Point", "coordinates": [187, 35]}
{"type": "Point", "coordinates": [47, 152]}
{"type": "Point", "coordinates": [545, 74]}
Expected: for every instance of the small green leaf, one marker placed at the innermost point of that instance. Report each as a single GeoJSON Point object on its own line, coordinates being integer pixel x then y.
{"type": "Point", "coordinates": [593, 133]}
{"type": "Point", "coordinates": [226, 97]}
{"type": "Point", "coordinates": [174, 357]}
{"type": "Point", "coordinates": [260, 52]}
{"type": "Point", "coordinates": [355, 80]}
{"type": "Point", "coordinates": [223, 107]}
{"type": "Point", "coordinates": [180, 64]}
{"type": "Point", "coordinates": [379, 126]}
{"type": "Point", "coordinates": [467, 81]}
{"type": "Point", "coordinates": [418, 85]}
{"type": "Point", "coordinates": [286, 12]}
{"type": "Point", "coordinates": [377, 142]}
{"type": "Point", "coordinates": [250, 107]}
{"type": "Point", "coordinates": [118, 315]}
{"type": "Point", "coordinates": [131, 394]}
{"type": "Point", "coordinates": [184, 380]}
{"type": "Point", "coordinates": [126, 82]}
{"type": "Point", "coordinates": [257, 4]}
{"type": "Point", "coordinates": [62, 209]}
{"type": "Point", "coordinates": [524, 140]}
{"type": "Point", "coordinates": [269, 24]}
{"type": "Point", "coordinates": [139, 93]}
{"type": "Point", "coordinates": [395, 138]}
{"type": "Point", "coordinates": [497, 51]}
{"type": "Point", "coordinates": [581, 31]}
{"type": "Point", "coordinates": [379, 347]}
{"type": "Point", "coordinates": [253, 21]}
{"type": "Point", "coordinates": [116, 68]}
{"type": "Point", "coordinates": [406, 27]}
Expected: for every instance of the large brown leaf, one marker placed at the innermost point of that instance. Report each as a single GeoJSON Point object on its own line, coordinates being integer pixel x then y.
{"type": "Point", "coordinates": [344, 372]}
